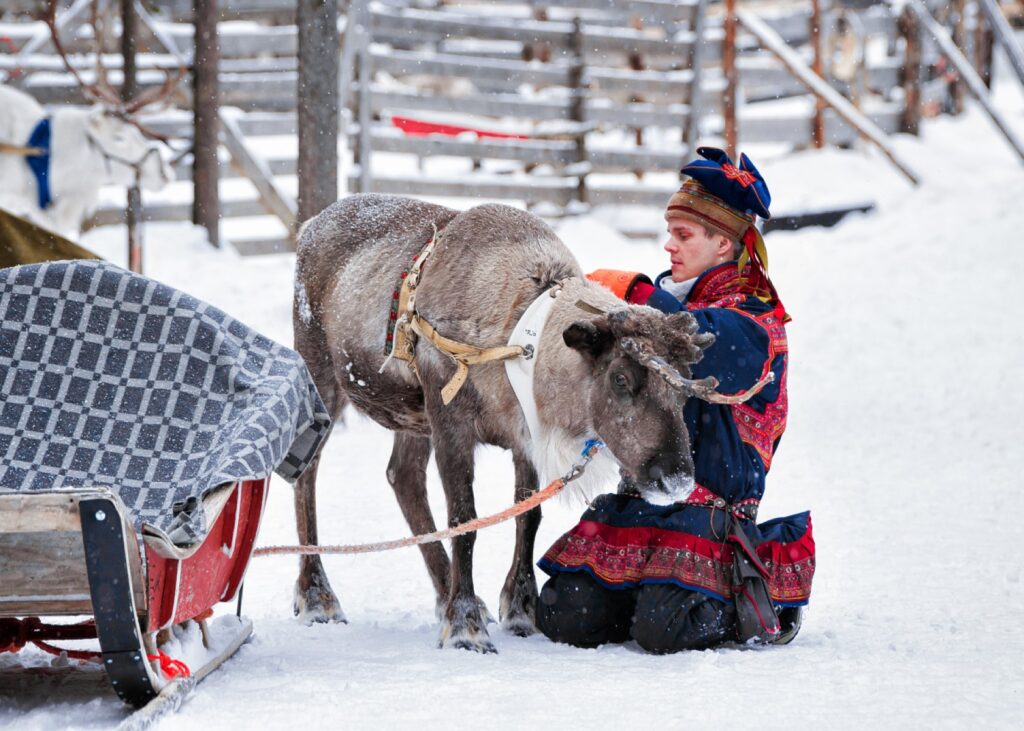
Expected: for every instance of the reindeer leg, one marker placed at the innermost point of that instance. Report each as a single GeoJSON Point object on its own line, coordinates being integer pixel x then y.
{"type": "Point", "coordinates": [407, 473]}
{"type": "Point", "coordinates": [464, 621]}
{"type": "Point", "coordinates": [315, 601]}
{"type": "Point", "coordinates": [519, 595]}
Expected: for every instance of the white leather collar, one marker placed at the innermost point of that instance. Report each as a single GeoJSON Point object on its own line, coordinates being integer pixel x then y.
{"type": "Point", "coordinates": [527, 334]}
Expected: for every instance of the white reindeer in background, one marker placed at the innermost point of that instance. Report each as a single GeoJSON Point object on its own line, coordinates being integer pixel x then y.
{"type": "Point", "coordinates": [87, 148]}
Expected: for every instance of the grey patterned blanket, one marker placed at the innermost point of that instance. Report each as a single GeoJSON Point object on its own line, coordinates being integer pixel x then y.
{"type": "Point", "coordinates": [110, 379]}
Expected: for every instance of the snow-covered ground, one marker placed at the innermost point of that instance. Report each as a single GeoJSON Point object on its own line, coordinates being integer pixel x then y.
{"type": "Point", "coordinates": [905, 440]}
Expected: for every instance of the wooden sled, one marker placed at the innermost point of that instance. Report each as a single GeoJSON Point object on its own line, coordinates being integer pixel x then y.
{"type": "Point", "coordinates": [75, 552]}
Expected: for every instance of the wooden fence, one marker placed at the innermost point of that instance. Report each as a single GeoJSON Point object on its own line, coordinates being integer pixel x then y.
{"type": "Point", "coordinates": [592, 95]}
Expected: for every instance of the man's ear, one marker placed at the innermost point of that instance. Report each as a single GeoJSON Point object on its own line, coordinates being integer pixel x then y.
{"type": "Point", "coordinates": [725, 247]}
{"type": "Point", "coordinates": [590, 337]}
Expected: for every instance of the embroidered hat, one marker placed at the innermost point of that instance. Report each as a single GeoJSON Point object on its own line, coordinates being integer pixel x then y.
{"type": "Point", "coordinates": [728, 199]}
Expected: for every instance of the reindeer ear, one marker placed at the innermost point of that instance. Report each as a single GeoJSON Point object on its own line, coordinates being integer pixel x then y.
{"type": "Point", "coordinates": [591, 338]}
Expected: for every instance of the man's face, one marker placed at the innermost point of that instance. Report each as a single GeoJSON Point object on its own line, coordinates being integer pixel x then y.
{"type": "Point", "coordinates": [693, 250]}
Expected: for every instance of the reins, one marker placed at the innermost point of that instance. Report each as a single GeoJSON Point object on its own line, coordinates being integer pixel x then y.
{"type": "Point", "coordinates": [556, 486]}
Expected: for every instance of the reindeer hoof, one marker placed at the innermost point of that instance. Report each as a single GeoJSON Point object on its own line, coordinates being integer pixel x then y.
{"type": "Point", "coordinates": [518, 609]}
{"type": "Point", "coordinates": [317, 604]}
{"type": "Point", "coordinates": [520, 625]}
{"type": "Point", "coordinates": [464, 627]}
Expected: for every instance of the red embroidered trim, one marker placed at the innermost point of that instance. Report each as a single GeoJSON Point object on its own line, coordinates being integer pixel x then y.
{"type": "Point", "coordinates": [634, 555]}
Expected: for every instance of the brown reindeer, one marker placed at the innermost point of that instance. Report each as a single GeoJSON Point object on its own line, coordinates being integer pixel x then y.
{"type": "Point", "coordinates": [619, 376]}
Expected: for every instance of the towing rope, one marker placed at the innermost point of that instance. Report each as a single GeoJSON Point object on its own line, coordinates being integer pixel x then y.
{"type": "Point", "coordinates": [556, 486]}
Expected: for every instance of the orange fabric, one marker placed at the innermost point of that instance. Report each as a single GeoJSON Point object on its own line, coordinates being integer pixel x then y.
{"type": "Point", "coordinates": [617, 281]}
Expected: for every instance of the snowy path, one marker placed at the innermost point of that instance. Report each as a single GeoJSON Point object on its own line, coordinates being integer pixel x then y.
{"type": "Point", "coordinates": [905, 441]}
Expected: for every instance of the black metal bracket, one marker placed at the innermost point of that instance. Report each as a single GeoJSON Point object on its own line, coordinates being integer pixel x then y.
{"type": "Point", "coordinates": [113, 603]}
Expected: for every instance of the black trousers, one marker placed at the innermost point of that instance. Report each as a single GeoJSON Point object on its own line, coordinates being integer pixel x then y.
{"type": "Point", "coordinates": [573, 608]}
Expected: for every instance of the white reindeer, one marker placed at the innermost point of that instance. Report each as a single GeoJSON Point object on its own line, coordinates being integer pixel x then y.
{"type": "Point", "coordinates": [89, 148]}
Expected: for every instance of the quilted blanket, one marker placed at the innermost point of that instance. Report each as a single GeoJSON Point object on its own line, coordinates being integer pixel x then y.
{"type": "Point", "coordinates": [110, 379]}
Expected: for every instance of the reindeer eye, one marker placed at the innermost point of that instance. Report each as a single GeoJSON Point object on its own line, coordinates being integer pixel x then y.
{"type": "Point", "coordinates": [620, 380]}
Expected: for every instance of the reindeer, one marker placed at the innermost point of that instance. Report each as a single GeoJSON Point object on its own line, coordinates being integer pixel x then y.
{"type": "Point", "coordinates": [88, 148]}
{"type": "Point", "coordinates": [603, 369]}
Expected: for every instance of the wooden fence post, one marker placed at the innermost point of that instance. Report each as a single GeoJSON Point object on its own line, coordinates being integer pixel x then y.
{"type": "Point", "coordinates": [317, 25]}
{"type": "Point", "coordinates": [691, 132]}
{"type": "Point", "coordinates": [956, 86]}
{"type": "Point", "coordinates": [129, 88]}
{"type": "Point", "coordinates": [984, 44]}
{"type": "Point", "coordinates": [818, 125]}
{"type": "Point", "coordinates": [206, 101]}
{"type": "Point", "coordinates": [729, 69]}
{"type": "Point", "coordinates": [910, 72]}
{"type": "Point", "coordinates": [577, 107]}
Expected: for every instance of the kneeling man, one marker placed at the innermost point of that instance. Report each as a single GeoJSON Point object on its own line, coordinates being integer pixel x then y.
{"type": "Point", "coordinates": [698, 572]}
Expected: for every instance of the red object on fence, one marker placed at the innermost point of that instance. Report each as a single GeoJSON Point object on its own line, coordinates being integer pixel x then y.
{"type": "Point", "coordinates": [421, 128]}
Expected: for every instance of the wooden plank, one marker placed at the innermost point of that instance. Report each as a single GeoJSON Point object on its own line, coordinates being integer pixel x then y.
{"type": "Point", "coordinates": [541, 190]}
{"type": "Point", "coordinates": [179, 211]}
{"type": "Point", "coordinates": [820, 87]}
{"type": "Point", "coordinates": [36, 512]}
{"type": "Point", "coordinates": [44, 567]}
{"type": "Point", "coordinates": [252, 167]}
{"type": "Point", "coordinates": [512, 105]}
{"type": "Point", "coordinates": [967, 73]}
{"type": "Point", "coordinates": [428, 24]}
{"type": "Point", "coordinates": [661, 9]}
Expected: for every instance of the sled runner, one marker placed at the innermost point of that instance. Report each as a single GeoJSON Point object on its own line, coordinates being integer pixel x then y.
{"type": "Point", "coordinates": [138, 430]}
{"type": "Point", "coordinates": [75, 552]}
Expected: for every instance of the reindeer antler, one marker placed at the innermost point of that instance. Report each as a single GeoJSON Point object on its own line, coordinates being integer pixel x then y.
{"type": "Point", "coordinates": [100, 92]}
{"type": "Point", "coordinates": [703, 388]}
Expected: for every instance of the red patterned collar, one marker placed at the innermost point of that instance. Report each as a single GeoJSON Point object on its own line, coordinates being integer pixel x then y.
{"type": "Point", "coordinates": [715, 285]}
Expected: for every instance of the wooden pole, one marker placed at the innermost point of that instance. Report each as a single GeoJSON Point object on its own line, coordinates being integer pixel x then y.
{"type": "Point", "coordinates": [691, 132]}
{"type": "Point", "coordinates": [818, 126]}
{"type": "Point", "coordinates": [771, 40]}
{"type": "Point", "coordinates": [910, 29]}
{"type": "Point", "coordinates": [129, 89]}
{"type": "Point", "coordinates": [983, 47]}
{"type": "Point", "coordinates": [576, 107]}
{"type": "Point", "coordinates": [974, 83]}
{"type": "Point", "coordinates": [1005, 36]}
{"type": "Point", "coordinates": [729, 68]}
{"type": "Point", "coordinates": [206, 103]}
{"type": "Point", "coordinates": [956, 86]}
{"type": "Point", "coordinates": [317, 22]}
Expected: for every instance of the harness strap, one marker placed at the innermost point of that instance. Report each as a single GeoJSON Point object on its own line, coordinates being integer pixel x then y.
{"type": "Point", "coordinates": [8, 149]}
{"type": "Point", "coordinates": [463, 355]}
{"type": "Point", "coordinates": [409, 322]}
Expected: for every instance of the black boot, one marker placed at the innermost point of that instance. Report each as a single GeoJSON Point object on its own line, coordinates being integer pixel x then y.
{"type": "Point", "coordinates": [790, 619]}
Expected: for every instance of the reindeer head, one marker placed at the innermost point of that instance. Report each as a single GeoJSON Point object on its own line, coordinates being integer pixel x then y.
{"type": "Point", "coordinates": [640, 360]}
{"type": "Point", "coordinates": [128, 156]}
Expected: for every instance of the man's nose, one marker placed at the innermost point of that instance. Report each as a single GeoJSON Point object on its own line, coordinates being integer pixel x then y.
{"type": "Point", "coordinates": [670, 246]}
